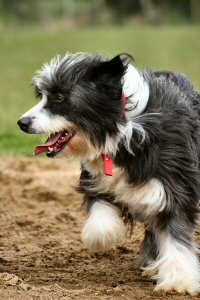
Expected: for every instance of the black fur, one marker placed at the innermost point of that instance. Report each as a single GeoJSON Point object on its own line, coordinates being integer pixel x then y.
{"type": "Point", "coordinates": [149, 249]}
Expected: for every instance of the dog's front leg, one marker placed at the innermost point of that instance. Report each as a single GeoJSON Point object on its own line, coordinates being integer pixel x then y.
{"type": "Point", "coordinates": [104, 226]}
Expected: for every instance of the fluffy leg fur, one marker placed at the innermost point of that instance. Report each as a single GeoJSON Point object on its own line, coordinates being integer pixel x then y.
{"type": "Point", "coordinates": [177, 267]}
{"type": "Point", "coordinates": [103, 228]}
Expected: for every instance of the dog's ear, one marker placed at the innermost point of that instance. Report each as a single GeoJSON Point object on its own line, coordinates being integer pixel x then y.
{"type": "Point", "coordinates": [111, 71]}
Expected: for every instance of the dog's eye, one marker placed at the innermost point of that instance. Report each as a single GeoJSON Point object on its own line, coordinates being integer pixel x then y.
{"type": "Point", "coordinates": [60, 98]}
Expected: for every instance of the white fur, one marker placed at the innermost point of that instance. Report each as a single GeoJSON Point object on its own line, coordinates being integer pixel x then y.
{"type": "Point", "coordinates": [43, 122]}
{"type": "Point", "coordinates": [136, 91]}
{"type": "Point", "coordinates": [37, 108]}
{"type": "Point", "coordinates": [146, 199]}
{"type": "Point", "coordinates": [49, 69]}
{"type": "Point", "coordinates": [111, 145]}
{"type": "Point", "coordinates": [103, 228]}
{"type": "Point", "coordinates": [177, 267]}
{"type": "Point", "coordinates": [126, 132]}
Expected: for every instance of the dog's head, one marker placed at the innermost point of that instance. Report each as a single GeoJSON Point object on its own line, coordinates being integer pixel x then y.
{"type": "Point", "coordinates": [81, 105]}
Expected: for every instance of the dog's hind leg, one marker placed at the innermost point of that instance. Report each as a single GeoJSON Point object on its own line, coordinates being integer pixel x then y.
{"type": "Point", "coordinates": [104, 226]}
{"type": "Point", "coordinates": [177, 266]}
{"type": "Point", "coordinates": [148, 250]}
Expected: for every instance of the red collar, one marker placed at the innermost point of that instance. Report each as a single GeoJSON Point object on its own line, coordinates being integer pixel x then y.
{"type": "Point", "coordinates": [106, 157]}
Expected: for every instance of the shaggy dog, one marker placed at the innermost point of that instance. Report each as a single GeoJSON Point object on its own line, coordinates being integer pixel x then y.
{"type": "Point", "coordinates": [137, 137]}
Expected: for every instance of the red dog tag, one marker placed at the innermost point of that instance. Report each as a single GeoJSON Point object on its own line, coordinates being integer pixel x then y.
{"type": "Point", "coordinates": [107, 164]}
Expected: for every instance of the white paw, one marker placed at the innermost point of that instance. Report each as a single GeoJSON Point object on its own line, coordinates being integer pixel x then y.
{"type": "Point", "coordinates": [103, 228]}
{"type": "Point", "coordinates": [177, 267]}
{"type": "Point", "coordinates": [178, 273]}
{"type": "Point", "coordinates": [180, 287]}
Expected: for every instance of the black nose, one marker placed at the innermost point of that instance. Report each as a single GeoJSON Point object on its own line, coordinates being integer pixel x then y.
{"type": "Point", "coordinates": [24, 123]}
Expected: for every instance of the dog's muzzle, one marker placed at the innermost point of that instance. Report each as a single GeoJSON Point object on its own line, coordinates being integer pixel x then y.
{"type": "Point", "coordinates": [24, 124]}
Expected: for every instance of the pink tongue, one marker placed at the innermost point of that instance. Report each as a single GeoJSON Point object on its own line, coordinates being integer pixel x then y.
{"type": "Point", "coordinates": [50, 143]}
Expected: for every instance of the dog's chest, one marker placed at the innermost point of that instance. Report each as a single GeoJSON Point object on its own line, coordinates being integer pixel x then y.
{"type": "Point", "coordinates": [116, 185]}
{"type": "Point", "coordinates": [143, 200]}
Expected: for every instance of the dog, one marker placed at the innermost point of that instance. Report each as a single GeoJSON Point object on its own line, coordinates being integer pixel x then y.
{"type": "Point", "coordinates": [137, 136]}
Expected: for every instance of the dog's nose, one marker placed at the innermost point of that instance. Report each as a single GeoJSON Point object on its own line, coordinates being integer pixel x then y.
{"type": "Point", "coordinates": [24, 123]}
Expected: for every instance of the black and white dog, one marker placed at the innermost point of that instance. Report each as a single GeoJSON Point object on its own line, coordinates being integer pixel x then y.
{"type": "Point", "coordinates": [137, 135]}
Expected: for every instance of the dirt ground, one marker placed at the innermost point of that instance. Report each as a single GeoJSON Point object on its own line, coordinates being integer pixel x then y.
{"type": "Point", "coordinates": [41, 253]}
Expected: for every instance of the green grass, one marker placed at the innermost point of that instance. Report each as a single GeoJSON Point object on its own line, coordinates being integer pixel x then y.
{"type": "Point", "coordinates": [23, 52]}
{"type": "Point", "coordinates": [15, 143]}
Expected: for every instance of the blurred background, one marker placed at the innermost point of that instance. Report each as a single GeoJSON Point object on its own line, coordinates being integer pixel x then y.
{"type": "Point", "coordinates": [160, 34]}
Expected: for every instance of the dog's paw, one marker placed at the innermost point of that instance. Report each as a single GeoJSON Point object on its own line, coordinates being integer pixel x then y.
{"type": "Point", "coordinates": [103, 228]}
{"type": "Point", "coordinates": [180, 287]}
{"type": "Point", "coordinates": [173, 275]}
{"type": "Point", "coordinates": [176, 268]}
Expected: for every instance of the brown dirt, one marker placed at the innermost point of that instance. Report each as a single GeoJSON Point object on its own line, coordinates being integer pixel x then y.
{"type": "Point", "coordinates": [41, 254]}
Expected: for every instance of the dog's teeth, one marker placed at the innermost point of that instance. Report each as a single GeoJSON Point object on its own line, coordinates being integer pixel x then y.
{"type": "Point", "coordinates": [50, 149]}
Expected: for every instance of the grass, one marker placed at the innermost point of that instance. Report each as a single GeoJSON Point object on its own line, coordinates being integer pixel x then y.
{"type": "Point", "coordinates": [23, 52]}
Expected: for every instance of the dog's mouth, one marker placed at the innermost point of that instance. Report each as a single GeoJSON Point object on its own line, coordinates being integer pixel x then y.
{"type": "Point", "coordinates": [55, 143]}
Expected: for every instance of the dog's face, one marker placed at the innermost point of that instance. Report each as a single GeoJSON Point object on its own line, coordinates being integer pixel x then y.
{"type": "Point", "coordinates": [81, 105]}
